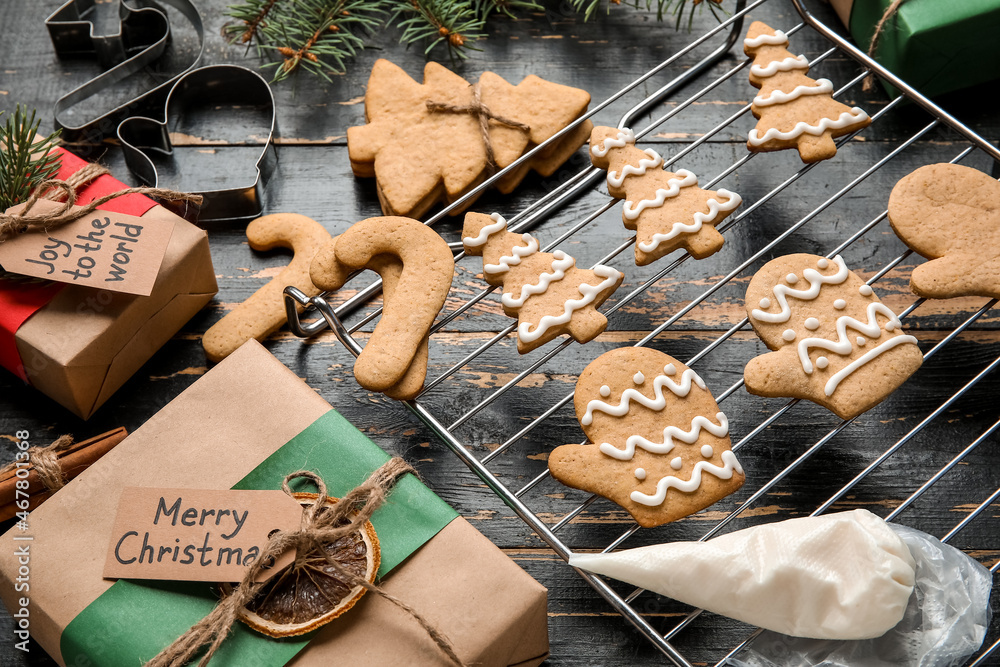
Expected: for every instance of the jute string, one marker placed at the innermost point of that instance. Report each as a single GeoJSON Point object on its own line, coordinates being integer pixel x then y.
{"type": "Point", "coordinates": [890, 11]}
{"type": "Point", "coordinates": [484, 116]}
{"type": "Point", "coordinates": [45, 461]}
{"type": "Point", "coordinates": [319, 526]}
{"type": "Point", "coordinates": [55, 189]}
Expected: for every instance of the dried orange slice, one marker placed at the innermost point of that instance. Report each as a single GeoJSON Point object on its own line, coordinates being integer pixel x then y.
{"type": "Point", "coordinates": [300, 599]}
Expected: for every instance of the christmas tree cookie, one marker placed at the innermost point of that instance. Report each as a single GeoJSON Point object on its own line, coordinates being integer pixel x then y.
{"type": "Point", "coordinates": [660, 446]}
{"type": "Point", "coordinates": [667, 210]}
{"type": "Point", "coordinates": [547, 293]}
{"type": "Point", "coordinates": [434, 141]}
{"type": "Point", "coordinates": [834, 342]}
{"type": "Point", "coordinates": [793, 111]}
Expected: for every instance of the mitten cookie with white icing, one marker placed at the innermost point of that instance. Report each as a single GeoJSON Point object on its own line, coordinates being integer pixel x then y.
{"type": "Point", "coordinates": [660, 447]}
{"type": "Point", "coordinates": [666, 209]}
{"type": "Point", "coordinates": [547, 293]}
{"type": "Point", "coordinates": [834, 342]}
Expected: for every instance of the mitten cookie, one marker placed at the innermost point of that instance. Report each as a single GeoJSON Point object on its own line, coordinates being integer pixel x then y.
{"type": "Point", "coordinates": [434, 141]}
{"type": "Point", "coordinates": [793, 110]}
{"type": "Point", "coordinates": [545, 291]}
{"type": "Point", "coordinates": [667, 210]}
{"type": "Point", "coordinates": [950, 214]}
{"type": "Point", "coordinates": [661, 446]}
{"type": "Point", "coordinates": [834, 342]}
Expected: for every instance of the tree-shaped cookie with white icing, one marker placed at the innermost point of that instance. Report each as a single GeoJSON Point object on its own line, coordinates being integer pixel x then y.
{"type": "Point", "coordinates": [667, 210]}
{"type": "Point", "coordinates": [793, 110]}
{"type": "Point", "coordinates": [659, 445]}
{"type": "Point", "coordinates": [547, 293]}
{"type": "Point", "coordinates": [834, 343]}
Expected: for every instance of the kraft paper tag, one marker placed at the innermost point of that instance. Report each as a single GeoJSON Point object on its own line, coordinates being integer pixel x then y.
{"type": "Point", "coordinates": [107, 250]}
{"type": "Point", "coordinates": [196, 534]}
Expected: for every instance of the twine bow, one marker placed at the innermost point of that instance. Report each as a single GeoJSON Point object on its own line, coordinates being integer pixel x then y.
{"type": "Point", "coordinates": [45, 461]}
{"type": "Point", "coordinates": [890, 11]}
{"type": "Point", "coordinates": [484, 116]}
{"type": "Point", "coordinates": [321, 524]}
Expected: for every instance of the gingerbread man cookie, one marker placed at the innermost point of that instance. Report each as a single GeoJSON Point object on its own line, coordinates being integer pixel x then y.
{"type": "Point", "coordinates": [793, 110]}
{"type": "Point", "coordinates": [547, 293]}
{"type": "Point", "coordinates": [661, 446]}
{"type": "Point", "coordinates": [950, 214]}
{"type": "Point", "coordinates": [667, 210]}
{"type": "Point", "coordinates": [834, 342]}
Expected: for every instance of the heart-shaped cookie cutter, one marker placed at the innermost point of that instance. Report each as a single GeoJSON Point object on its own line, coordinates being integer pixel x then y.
{"type": "Point", "coordinates": [228, 84]}
{"type": "Point", "coordinates": [142, 37]}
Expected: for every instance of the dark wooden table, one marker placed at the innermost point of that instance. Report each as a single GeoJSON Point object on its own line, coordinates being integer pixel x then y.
{"type": "Point", "coordinates": [314, 178]}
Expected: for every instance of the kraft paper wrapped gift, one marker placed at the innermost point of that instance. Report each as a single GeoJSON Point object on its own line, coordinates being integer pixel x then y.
{"type": "Point", "coordinates": [79, 344]}
{"type": "Point", "coordinates": [247, 420]}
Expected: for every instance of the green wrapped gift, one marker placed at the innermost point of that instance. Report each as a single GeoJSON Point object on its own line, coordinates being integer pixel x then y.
{"type": "Point", "coordinates": [936, 46]}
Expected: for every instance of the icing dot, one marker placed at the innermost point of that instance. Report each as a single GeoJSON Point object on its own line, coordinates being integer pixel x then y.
{"type": "Point", "coordinates": [823, 263]}
{"type": "Point", "coordinates": [670, 369]}
{"type": "Point", "coordinates": [707, 451]}
{"type": "Point", "coordinates": [640, 473]}
{"type": "Point", "coordinates": [812, 324]}
{"type": "Point", "coordinates": [890, 326]}
{"type": "Point", "coordinates": [765, 303]}
{"type": "Point", "coordinates": [840, 304]}
{"type": "Point", "coordinates": [865, 290]}
{"type": "Point", "coordinates": [792, 278]}
{"type": "Point", "coordinates": [676, 463]}
{"type": "Point", "coordinates": [861, 341]}
{"type": "Point", "coordinates": [605, 391]}
{"type": "Point", "coordinates": [822, 362]}
{"type": "Point", "coordinates": [788, 334]}
{"type": "Point", "coordinates": [638, 378]}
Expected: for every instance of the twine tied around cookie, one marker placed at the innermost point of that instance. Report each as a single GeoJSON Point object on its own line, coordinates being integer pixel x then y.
{"type": "Point", "coordinates": [12, 224]}
{"type": "Point", "coordinates": [889, 12]}
{"type": "Point", "coordinates": [45, 461]}
{"type": "Point", "coordinates": [484, 116]}
{"type": "Point", "coordinates": [322, 523]}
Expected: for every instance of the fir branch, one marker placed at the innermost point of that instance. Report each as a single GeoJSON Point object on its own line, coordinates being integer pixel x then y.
{"type": "Point", "coordinates": [508, 7]}
{"type": "Point", "coordinates": [25, 158]}
{"type": "Point", "coordinates": [451, 22]}
{"type": "Point", "coordinates": [251, 18]}
{"type": "Point", "coordinates": [663, 7]}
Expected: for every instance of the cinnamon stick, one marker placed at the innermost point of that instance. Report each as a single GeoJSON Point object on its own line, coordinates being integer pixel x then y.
{"type": "Point", "coordinates": [73, 461]}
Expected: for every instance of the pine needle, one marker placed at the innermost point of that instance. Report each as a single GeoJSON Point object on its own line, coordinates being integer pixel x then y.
{"type": "Point", "coordinates": [25, 158]}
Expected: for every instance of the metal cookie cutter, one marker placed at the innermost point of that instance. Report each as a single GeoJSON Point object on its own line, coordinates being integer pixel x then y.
{"type": "Point", "coordinates": [142, 37]}
{"type": "Point", "coordinates": [222, 84]}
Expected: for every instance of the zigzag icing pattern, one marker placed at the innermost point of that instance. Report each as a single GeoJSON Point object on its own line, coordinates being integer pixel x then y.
{"type": "Point", "coordinates": [733, 200]}
{"type": "Point", "coordinates": [730, 465]}
{"type": "Point", "coordinates": [760, 40]}
{"type": "Point", "coordinates": [658, 402]}
{"type": "Point", "coordinates": [674, 185]}
{"type": "Point", "coordinates": [518, 253]}
{"type": "Point", "coordinates": [589, 295]}
{"type": "Point", "coordinates": [843, 344]}
{"type": "Point", "coordinates": [670, 433]}
{"type": "Point", "coordinates": [486, 232]}
{"type": "Point", "coordinates": [561, 262]}
{"type": "Point", "coordinates": [775, 66]}
{"type": "Point", "coordinates": [624, 138]}
{"type": "Point", "coordinates": [835, 380]}
{"type": "Point", "coordinates": [823, 86]}
{"type": "Point", "coordinates": [816, 281]}
{"type": "Point", "coordinates": [654, 160]}
{"type": "Point", "coordinates": [847, 118]}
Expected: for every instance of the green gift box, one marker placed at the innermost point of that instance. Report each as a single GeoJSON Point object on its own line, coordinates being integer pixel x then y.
{"type": "Point", "coordinates": [936, 46]}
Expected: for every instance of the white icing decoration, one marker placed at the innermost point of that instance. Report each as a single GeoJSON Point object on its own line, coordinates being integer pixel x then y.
{"type": "Point", "coordinates": [846, 119]}
{"type": "Point", "coordinates": [788, 334]}
{"type": "Point", "coordinates": [517, 254]}
{"type": "Point", "coordinates": [722, 472]}
{"type": "Point", "coordinates": [843, 345]}
{"type": "Point", "coordinates": [765, 303]}
{"type": "Point", "coordinates": [865, 290]}
{"type": "Point", "coordinates": [760, 40]}
{"type": "Point", "coordinates": [772, 68]}
{"type": "Point", "coordinates": [640, 473]}
{"type": "Point", "coordinates": [823, 87]}
{"type": "Point", "coordinates": [812, 323]}
{"type": "Point", "coordinates": [625, 137]}
{"type": "Point", "coordinates": [733, 200]}
{"type": "Point", "coordinates": [653, 160]}
{"type": "Point", "coordinates": [862, 341]}
{"type": "Point", "coordinates": [670, 369]}
{"type": "Point", "coordinates": [670, 433]}
{"type": "Point", "coordinates": [823, 262]}
{"type": "Point", "coordinates": [890, 326]}
{"type": "Point", "coordinates": [639, 378]}
{"type": "Point", "coordinates": [831, 385]}
{"type": "Point", "coordinates": [674, 185]}
{"type": "Point", "coordinates": [677, 463]}
{"type": "Point", "coordinates": [605, 390]}
{"type": "Point", "coordinates": [486, 232]}
{"type": "Point", "coordinates": [840, 304]}
{"type": "Point", "coordinates": [658, 402]}
{"type": "Point", "coordinates": [561, 262]}
{"type": "Point", "coordinates": [707, 451]}
{"type": "Point", "coordinates": [589, 295]}
{"type": "Point", "coordinates": [792, 278]}
{"type": "Point", "coordinates": [816, 280]}
{"type": "Point", "coordinates": [822, 362]}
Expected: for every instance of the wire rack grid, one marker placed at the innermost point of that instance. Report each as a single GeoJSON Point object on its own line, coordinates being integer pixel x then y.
{"type": "Point", "coordinates": [518, 499]}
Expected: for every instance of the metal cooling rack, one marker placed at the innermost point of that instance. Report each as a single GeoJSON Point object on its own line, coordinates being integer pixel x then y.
{"type": "Point", "coordinates": [726, 34]}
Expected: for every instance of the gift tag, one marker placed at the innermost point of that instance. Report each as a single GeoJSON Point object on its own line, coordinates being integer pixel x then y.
{"type": "Point", "coordinates": [196, 534]}
{"type": "Point", "coordinates": [107, 250]}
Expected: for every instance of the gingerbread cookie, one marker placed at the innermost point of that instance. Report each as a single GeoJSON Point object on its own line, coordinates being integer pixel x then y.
{"type": "Point", "coordinates": [667, 210]}
{"type": "Point", "coordinates": [834, 342]}
{"type": "Point", "coordinates": [547, 293]}
{"type": "Point", "coordinates": [264, 312]}
{"type": "Point", "coordinates": [660, 447]}
{"type": "Point", "coordinates": [416, 267]}
{"type": "Point", "coordinates": [950, 214]}
{"type": "Point", "coordinates": [793, 110]}
{"type": "Point", "coordinates": [424, 142]}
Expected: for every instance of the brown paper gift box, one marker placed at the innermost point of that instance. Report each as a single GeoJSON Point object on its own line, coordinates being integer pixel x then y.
{"type": "Point", "coordinates": [211, 436]}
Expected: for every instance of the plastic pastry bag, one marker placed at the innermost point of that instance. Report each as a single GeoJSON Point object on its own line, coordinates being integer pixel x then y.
{"type": "Point", "coordinates": [836, 576]}
{"type": "Point", "coordinates": [944, 623]}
